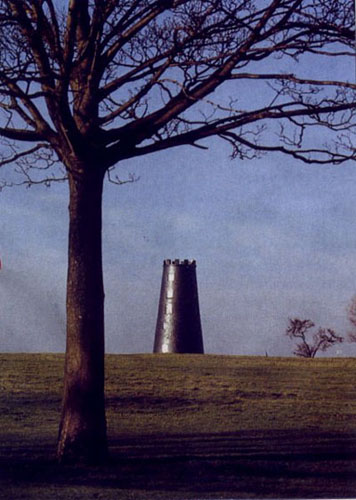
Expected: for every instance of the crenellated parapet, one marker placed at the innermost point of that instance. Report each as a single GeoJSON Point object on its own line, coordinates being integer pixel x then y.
{"type": "Point", "coordinates": [179, 262]}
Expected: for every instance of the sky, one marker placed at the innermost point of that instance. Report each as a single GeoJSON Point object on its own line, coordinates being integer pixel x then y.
{"type": "Point", "coordinates": [273, 239]}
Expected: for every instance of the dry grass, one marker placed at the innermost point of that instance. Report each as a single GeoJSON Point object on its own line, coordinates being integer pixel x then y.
{"type": "Point", "coordinates": [183, 394]}
{"type": "Point", "coordinates": [185, 426]}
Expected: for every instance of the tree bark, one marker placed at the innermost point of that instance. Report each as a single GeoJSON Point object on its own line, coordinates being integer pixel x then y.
{"type": "Point", "coordinates": [82, 432]}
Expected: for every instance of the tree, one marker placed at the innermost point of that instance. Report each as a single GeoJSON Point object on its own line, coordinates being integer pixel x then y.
{"type": "Point", "coordinates": [322, 339]}
{"type": "Point", "coordinates": [351, 315]}
{"type": "Point", "coordinates": [87, 84]}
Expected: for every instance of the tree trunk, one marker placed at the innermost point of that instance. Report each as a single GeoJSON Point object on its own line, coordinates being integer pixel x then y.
{"type": "Point", "coordinates": [82, 432]}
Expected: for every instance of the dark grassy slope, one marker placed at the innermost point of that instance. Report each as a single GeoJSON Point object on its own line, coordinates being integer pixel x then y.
{"type": "Point", "coordinates": [188, 427]}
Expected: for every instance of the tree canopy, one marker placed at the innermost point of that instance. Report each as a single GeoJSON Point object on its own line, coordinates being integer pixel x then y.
{"type": "Point", "coordinates": [112, 80]}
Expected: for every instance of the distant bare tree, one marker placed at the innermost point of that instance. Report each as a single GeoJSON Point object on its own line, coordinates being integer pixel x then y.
{"type": "Point", "coordinates": [321, 340]}
{"type": "Point", "coordinates": [351, 315]}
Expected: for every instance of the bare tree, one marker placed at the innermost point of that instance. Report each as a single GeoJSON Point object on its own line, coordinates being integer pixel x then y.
{"type": "Point", "coordinates": [321, 340]}
{"type": "Point", "coordinates": [351, 315]}
{"type": "Point", "coordinates": [87, 84]}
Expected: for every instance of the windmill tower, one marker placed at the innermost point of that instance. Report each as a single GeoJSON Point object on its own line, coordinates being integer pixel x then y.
{"type": "Point", "coordinates": [178, 328]}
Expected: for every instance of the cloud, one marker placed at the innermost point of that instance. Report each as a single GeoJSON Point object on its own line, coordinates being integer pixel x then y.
{"type": "Point", "coordinates": [31, 314]}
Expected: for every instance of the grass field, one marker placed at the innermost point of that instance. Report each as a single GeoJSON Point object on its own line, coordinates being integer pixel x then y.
{"type": "Point", "coordinates": [187, 426]}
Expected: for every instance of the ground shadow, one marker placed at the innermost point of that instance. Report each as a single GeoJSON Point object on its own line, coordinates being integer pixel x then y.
{"type": "Point", "coordinates": [250, 464]}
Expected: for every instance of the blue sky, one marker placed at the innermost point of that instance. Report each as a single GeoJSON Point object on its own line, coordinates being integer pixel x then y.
{"type": "Point", "coordinates": [272, 238]}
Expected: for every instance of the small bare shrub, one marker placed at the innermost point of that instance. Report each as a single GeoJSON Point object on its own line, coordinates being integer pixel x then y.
{"type": "Point", "coordinates": [321, 340]}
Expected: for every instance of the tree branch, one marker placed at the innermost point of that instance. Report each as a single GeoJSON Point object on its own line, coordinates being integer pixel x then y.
{"type": "Point", "coordinates": [136, 24]}
{"type": "Point", "coordinates": [292, 78]}
{"type": "Point", "coordinates": [225, 125]}
{"type": "Point", "coordinates": [34, 39]}
{"type": "Point", "coordinates": [21, 134]}
{"type": "Point", "coordinates": [13, 158]}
